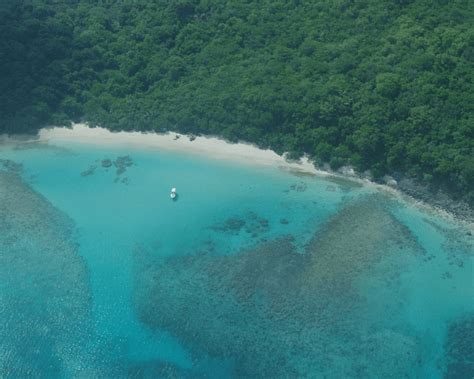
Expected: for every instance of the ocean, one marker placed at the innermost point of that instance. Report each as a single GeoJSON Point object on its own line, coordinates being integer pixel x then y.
{"type": "Point", "coordinates": [254, 271]}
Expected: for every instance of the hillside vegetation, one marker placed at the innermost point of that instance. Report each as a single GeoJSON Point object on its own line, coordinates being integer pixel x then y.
{"type": "Point", "coordinates": [381, 85]}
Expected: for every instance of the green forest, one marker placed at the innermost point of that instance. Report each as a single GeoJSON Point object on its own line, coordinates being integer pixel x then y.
{"type": "Point", "coordinates": [377, 84]}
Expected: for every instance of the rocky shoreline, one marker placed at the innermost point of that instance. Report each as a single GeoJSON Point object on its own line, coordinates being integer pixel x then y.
{"type": "Point", "coordinates": [436, 198]}
{"type": "Point", "coordinates": [413, 189]}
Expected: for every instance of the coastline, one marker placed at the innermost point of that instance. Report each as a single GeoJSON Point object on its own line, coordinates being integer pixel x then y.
{"type": "Point", "coordinates": [247, 153]}
{"type": "Point", "coordinates": [177, 142]}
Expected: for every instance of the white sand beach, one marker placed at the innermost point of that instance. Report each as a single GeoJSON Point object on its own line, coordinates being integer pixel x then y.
{"type": "Point", "coordinates": [216, 148]}
{"type": "Point", "coordinates": [171, 141]}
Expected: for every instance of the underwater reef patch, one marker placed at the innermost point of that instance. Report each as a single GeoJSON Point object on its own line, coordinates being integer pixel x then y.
{"type": "Point", "coordinates": [106, 163]}
{"type": "Point", "coordinates": [11, 166]}
{"type": "Point", "coordinates": [251, 223]}
{"type": "Point", "coordinates": [275, 312]}
{"type": "Point", "coordinates": [121, 163]}
{"type": "Point", "coordinates": [89, 171]}
{"type": "Point", "coordinates": [459, 348]}
{"type": "Point", "coordinates": [296, 187]}
{"type": "Point", "coordinates": [458, 243]}
{"type": "Point", "coordinates": [45, 299]}
{"type": "Point", "coordinates": [232, 225]}
{"type": "Point", "coordinates": [155, 369]}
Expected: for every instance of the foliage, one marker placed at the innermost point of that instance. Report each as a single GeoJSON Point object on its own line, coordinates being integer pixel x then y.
{"type": "Point", "coordinates": [382, 85]}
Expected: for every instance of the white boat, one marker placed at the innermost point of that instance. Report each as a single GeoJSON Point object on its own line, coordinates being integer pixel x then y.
{"type": "Point", "coordinates": [173, 193]}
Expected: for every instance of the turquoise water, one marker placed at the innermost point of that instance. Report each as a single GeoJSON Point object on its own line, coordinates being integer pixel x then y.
{"type": "Point", "coordinates": [253, 272]}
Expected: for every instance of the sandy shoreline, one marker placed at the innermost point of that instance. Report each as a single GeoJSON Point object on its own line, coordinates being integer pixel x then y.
{"type": "Point", "coordinates": [216, 148]}
{"type": "Point", "coordinates": [205, 146]}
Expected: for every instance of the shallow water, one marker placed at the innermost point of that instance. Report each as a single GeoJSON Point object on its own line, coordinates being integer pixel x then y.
{"type": "Point", "coordinates": [253, 272]}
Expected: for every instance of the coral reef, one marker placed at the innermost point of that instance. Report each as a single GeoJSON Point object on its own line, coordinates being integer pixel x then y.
{"type": "Point", "coordinates": [459, 348]}
{"type": "Point", "coordinates": [251, 223]}
{"type": "Point", "coordinates": [298, 187]}
{"type": "Point", "coordinates": [121, 163]}
{"type": "Point", "coordinates": [89, 171]}
{"type": "Point", "coordinates": [45, 295]}
{"type": "Point", "coordinates": [106, 163]}
{"type": "Point", "coordinates": [232, 225]}
{"type": "Point", "coordinates": [275, 312]}
{"type": "Point", "coordinates": [458, 243]}
{"type": "Point", "coordinates": [10, 165]}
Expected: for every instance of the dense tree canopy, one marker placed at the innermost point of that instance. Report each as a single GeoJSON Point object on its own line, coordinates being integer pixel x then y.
{"type": "Point", "coordinates": [382, 85]}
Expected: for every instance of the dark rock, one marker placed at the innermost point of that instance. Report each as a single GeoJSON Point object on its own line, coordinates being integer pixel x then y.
{"type": "Point", "coordinates": [284, 221]}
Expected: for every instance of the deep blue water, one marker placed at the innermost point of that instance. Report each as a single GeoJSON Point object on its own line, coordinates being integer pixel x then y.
{"type": "Point", "coordinates": [253, 272]}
